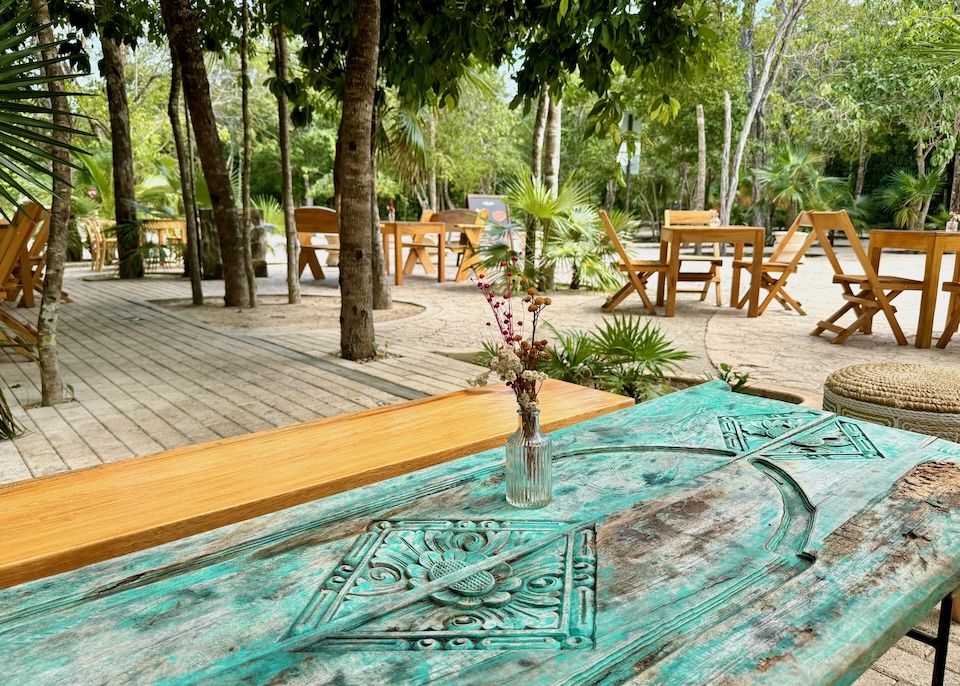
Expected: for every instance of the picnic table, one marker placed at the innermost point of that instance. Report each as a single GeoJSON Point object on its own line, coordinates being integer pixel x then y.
{"type": "Point", "coordinates": [418, 247]}
{"type": "Point", "coordinates": [703, 537]}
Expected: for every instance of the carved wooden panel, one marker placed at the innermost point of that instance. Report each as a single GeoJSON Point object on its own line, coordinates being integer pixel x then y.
{"type": "Point", "coordinates": [701, 538]}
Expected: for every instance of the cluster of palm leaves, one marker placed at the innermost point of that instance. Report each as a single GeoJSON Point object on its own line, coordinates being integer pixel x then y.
{"type": "Point", "coordinates": [26, 120]}
{"type": "Point", "coordinates": [624, 355]}
{"type": "Point", "coordinates": [905, 194]}
{"type": "Point", "coordinates": [568, 233]}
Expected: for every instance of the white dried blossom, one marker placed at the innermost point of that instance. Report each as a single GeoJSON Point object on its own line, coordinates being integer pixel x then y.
{"type": "Point", "coordinates": [527, 404]}
{"type": "Point", "coordinates": [481, 380]}
{"type": "Point", "coordinates": [507, 365]}
{"type": "Point", "coordinates": [534, 376]}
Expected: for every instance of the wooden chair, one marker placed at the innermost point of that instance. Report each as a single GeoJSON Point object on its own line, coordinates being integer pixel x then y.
{"type": "Point", "coordinates": [464, 233]}
{"type": "Point", "coordinates": [102, 239]}
{"type": "Point", "coordinates": [313, 221]}
{"type": "Point", "coordinates": [638, 272]}
{"type": "Point", "coordinates": [713, 262]}
{"type": "Point", "coordinates": [873, 292]}
{"type": "Point", "coordinates": [953, 320]}
{"type": "Point", "coordinates": [14, 242]}
{"type": "Point", "coordinates": [775, 271]}
{"type": "Point", "coordinates": [27, 275]}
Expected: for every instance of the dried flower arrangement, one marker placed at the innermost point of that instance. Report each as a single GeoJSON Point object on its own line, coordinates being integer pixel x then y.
{"type": "Point", "coordinates": [518, 359]}
{"type": "Point", "coordinates": [955, 216]}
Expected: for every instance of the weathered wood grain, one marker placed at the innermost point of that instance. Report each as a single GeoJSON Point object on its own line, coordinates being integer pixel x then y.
{"type": "Point", "coordinates": [706, 537]}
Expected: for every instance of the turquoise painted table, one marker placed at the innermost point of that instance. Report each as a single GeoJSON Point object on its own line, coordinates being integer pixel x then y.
{"type": "Point", "coordinates": [706, 537]}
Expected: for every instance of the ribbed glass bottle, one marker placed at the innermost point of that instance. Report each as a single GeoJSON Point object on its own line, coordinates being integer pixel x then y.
{"type": "Point", "coordinates": [529, 464]}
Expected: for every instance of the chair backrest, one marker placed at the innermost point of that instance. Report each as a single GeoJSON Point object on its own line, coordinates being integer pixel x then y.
{"type": "Point", "coordinates": [688, 217]}
{"type": "Point", "coordinates": [803, 219]}
{"type": "Point", "coordinates": [316, 220]}
{"type": "Point", "coordinates": [822, 222]}
{"type": "Point", "coordinates": [614, 238]}
{"type": "Point", "coordinates": [14, 239]}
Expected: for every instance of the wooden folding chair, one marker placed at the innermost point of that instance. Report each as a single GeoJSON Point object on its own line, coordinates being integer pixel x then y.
{"type": "Point", "coordinates": [638, 271]}
{"type": "Point", "coordinates": [713, 262]}
{"type": "Point", "coordinates": [774, 271]}
{"type": "Point", "coordinates": [14, 241]}
{"type": "Point", "coordinates": [310, 222]}
{"type": "Point", "coordinates": [27, 276]}
{"type": "Point", "coordinates": [874, 292]}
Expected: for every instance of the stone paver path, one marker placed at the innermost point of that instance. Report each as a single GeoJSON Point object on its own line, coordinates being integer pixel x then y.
{"type": "Point", "coordinates": [147, 379]}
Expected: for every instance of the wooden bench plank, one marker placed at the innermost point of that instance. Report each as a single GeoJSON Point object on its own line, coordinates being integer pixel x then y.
{"type": "Point", "coordinates": [61, 522]}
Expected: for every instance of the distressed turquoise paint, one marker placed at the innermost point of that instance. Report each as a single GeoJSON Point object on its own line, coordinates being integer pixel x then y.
{"type": "Point", "coordinates": [700, 537]}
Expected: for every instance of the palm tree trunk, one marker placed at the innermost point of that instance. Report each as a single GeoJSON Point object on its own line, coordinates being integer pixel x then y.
{"type": "Point", "coordinates": [128, 233]}
{"type": "Point", "coordinates": [725, 205]}
{"type": "Point", "coordinates": [289, 219]}
{"type": "Point", "coordinates": [186, 187]}
{"type": "Point", "coordinates": [434, 199]}
{"type": "Point", "coordinates": [183, 33]}
{"type": "Point", "coordinates": [551, 160]}
{"type": "Point", "coordinates": [246, 165]}
{"type": "Point", "coordinates": [382, 299]}
{"type": "Point", "coordinates": [51, 390]}
{"type": "Point", "coordinates": [353, 161]}
{"type": "Point", "coordinates": [700, 195]}
{"type": "Point", "coordinates": [955, 185]}
{"type": "Point", "coordinates": [539, 127]}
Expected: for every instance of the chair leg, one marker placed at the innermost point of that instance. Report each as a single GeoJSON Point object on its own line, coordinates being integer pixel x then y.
{"type": "Point", "coordinates": [617, 297]}
{"type": "Point", "coordinates": [951, 327]}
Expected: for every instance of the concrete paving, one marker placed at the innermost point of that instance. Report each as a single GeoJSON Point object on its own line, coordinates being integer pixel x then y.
{"type": "Point", "coordinates": [145, 379]}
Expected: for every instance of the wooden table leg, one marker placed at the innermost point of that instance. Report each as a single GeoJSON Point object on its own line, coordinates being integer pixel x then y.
{"type": "Point", "coordinates": [398, 255]}
{"type": "Point", "coordinates": [735, 282]}
{"type": "Point", "coordinates": [928, 296]}
{"type": "Point", "coordinates": [661, 277]}
{"type": "Point", "coordinates": [758, 242]}
{"type": "Point", "coordinates": [386, 250]}
{"type": "Point", "coordinates": [441, 255]}
{"type": "Point", "coordinates": [674, 276]}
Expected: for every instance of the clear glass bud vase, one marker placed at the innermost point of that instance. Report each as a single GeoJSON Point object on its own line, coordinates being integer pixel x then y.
{"type": "Point", "coordinates": [529, 464]}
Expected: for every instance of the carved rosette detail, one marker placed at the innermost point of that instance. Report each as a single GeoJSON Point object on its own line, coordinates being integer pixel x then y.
{"type": "Point", "coordinates": [470, 584]}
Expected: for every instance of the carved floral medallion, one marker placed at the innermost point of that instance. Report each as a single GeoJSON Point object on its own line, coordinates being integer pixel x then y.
{"type": "Point", "coordinates": [462, 585]}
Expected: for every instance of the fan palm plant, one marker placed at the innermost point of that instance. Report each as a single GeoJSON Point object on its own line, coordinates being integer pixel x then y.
{"type": "Point", "coordinates": [793, 180]}
{"type": "Point", "coordinates": [905, 195]}
{"type": "Point", "coordinates": [25, 117]}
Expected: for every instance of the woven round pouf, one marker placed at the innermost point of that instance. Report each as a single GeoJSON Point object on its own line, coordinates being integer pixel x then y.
{"type": "Point", "coordinates": [913, 397]}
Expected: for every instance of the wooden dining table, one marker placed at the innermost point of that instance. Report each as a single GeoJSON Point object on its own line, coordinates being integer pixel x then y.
{"type": "Point", "coordinates": [703, 537]}
{"type": "Point", "coordinates": [395, 231]}
{"type": "Point", "coordinates": [935, 244]}
{"type": "Point", "coordinates": [672, 237]}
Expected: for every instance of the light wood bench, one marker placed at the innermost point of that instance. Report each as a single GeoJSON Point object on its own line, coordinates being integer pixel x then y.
{"type": "Point", "coordinates": [60, 522]}
{"type": "Point", "coordinates": [313, 221]}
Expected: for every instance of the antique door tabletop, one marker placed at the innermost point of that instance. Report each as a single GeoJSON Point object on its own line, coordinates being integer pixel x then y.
{"type": "Point", "coordinates": [705, 537]}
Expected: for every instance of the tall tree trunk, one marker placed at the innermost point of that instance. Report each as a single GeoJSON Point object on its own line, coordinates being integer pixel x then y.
{"type": "Point", "coordinates": [353, 161]}
{"type": "Point", "coordinates": [761, 90]}
{"type": "Point", "coordinates": [551, 177]}
{"type": "Point", "coordinates": [289, 219]}
{"type": "Point", "coordinates": [861, 168]}
{"type": "Point", "coordinates": [626, 182]}
{"type": "Point", "coordinates": [681, 193]}
{"type": "Point", "coordinates": [128, 232]}
{"type": "Point", "coordinates": [922, 214]}
{"type": "Point", "coordinates": [184, 35]}
{"type": "Point", "coordinates": [921, 155]}
{"type": "Point", "coordinates": [551, 160]}
{"type": "Point", "coordinates": [186, 186]}
{"type": "Point", "coordinates": [382, 299]}
{"type": "Point", "coordinates": [700, 194]}
{"type": "Point", "coordinates": [434, 199]}
{"type": "Point", "coordinates": [725, 161]}
{"type": "Point", "coordinates": [539, 127]}
{"type": "Point", "coordinates": [51, 384]}
{"type": "Point", "coordinates": [245, 167]}
{"type": "Point", "coordinates": [955, 186]}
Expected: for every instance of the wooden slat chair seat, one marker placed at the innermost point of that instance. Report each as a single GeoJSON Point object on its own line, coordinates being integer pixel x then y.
{"type": "Point", "coordinates": [313, 222]}
{"type": "Point", "coordinates": [713, 261]}
{"type": "Point", "coordinates": [953, 319]}
{"type": "Point", "coordinates": [638, 272]}
{"type": "Point", "coordinates": [864, 294]}
{"type": "Point", "coordinates": [775, 271]}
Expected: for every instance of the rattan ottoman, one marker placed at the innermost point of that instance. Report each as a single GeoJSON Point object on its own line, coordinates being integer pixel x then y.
{"type": "Point", "coordinates": [913, 397]}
